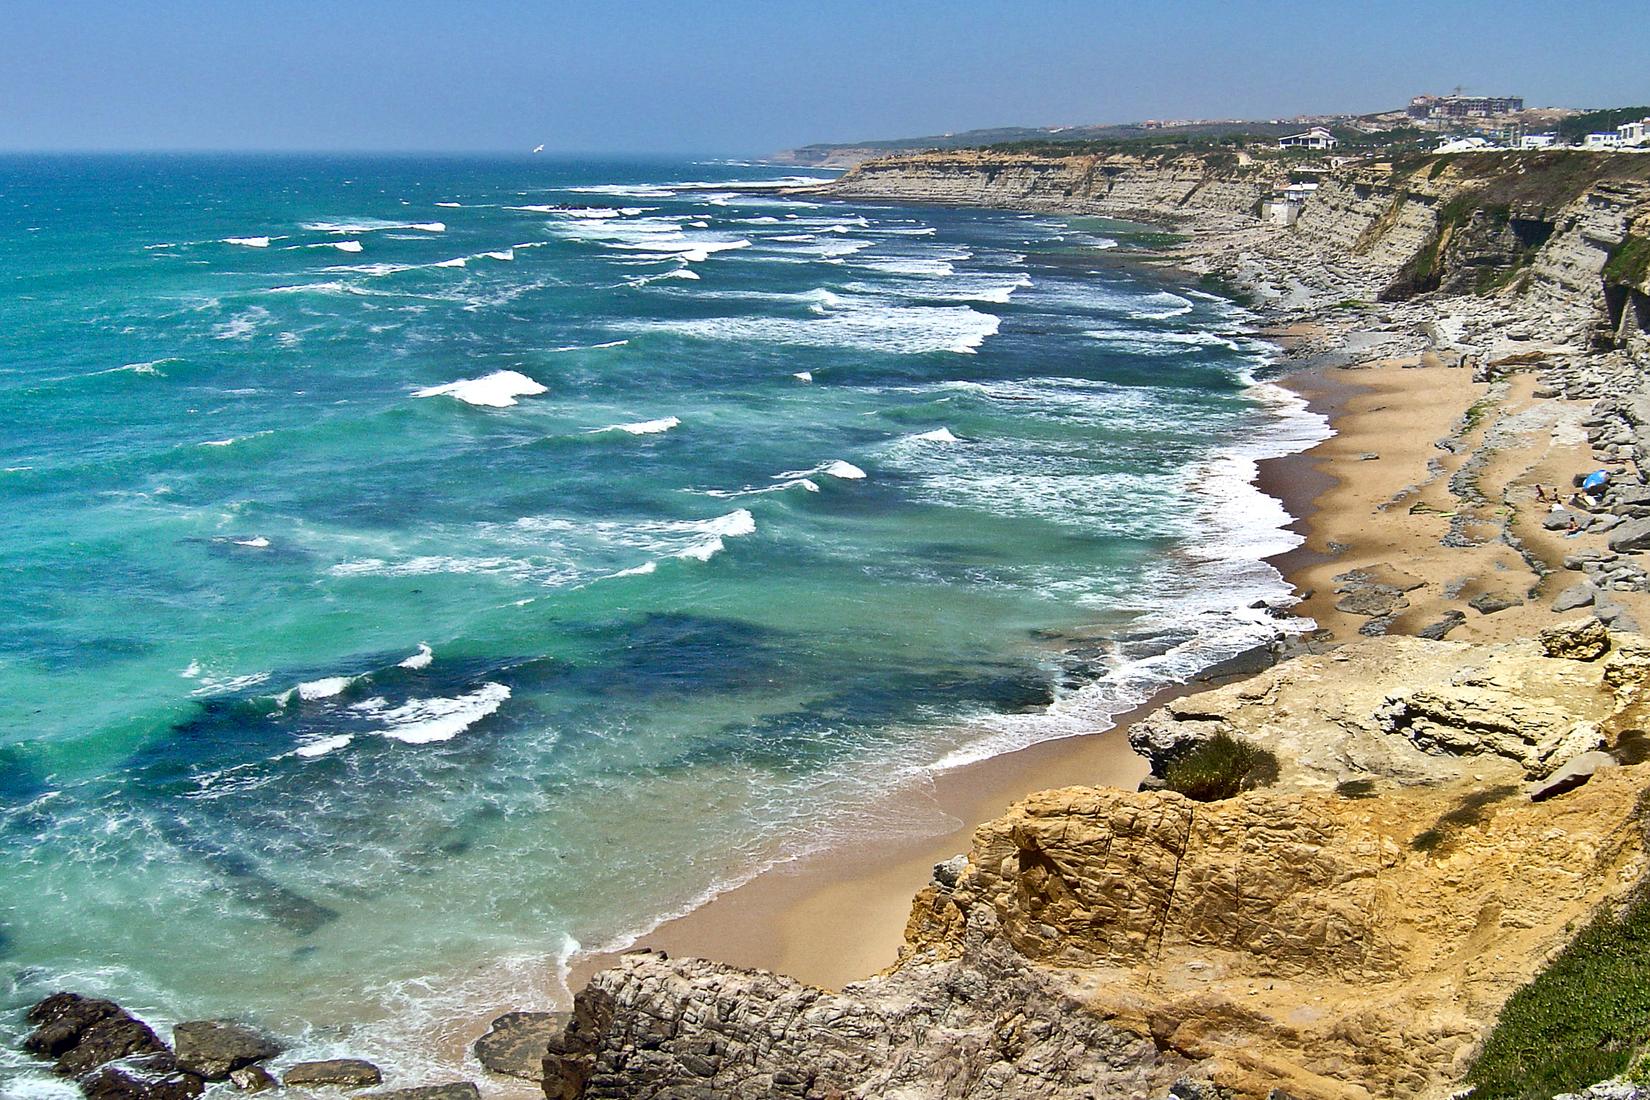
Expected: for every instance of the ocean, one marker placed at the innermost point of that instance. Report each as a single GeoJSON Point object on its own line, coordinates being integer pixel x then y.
{"type": "Point", "coordinates": [420, 570]}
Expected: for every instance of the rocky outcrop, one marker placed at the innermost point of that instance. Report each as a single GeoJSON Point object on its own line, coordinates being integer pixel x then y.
{"type": "Point", "coordinates": [515, 1043]}
{"type": "Point", "coordinates": [212, 1049]}
{"type": "Point", "coordinates": [348, 1073]}
{"type": "Point", "coordinates": [1351, 932]}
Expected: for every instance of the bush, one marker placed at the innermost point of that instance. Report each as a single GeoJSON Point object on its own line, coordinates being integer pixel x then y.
{"type": "Point", "coordinates": [1221, 767]}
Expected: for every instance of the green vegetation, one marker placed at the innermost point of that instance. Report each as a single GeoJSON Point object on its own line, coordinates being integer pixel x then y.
{"type": "Point", "coordinates": [1580, 1020]}
{"type": "Point", "coordinates": [1221, 767]}
{"type": "Point", "coordinates": [1573, 129]}
{"type": "Point", "coordinates": [1629, 264]}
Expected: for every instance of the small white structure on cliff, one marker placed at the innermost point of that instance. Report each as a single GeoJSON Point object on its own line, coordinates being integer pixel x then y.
{"type": "Point", "coordinates": [1318, 137]}
{"type": "Point", "coordinates": [1634, 134]}
{"type": "Point", "coordinates": [1538, 141]}
{"type": "Point", "coordinates": [1601, 141]}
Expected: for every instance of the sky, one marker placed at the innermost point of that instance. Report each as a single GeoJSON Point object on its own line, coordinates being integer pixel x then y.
{"type": "Point", "coordinates": [754, 76]}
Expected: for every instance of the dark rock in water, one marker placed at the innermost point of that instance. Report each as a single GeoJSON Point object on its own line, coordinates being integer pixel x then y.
{"type": "Point", "coordinates": [456, 1090]}
{"type": "Point", "coordinates": [1436, 631]}
{"type": "Point", "coordinates": [212, 1048]}
{"type": "Point", "coordinates": [152, 1077]}
{"type": "Point", "coordinates": [349, 1073]}
{"type": "Point", "coordinates": [1488, 603]}
{"type": "Point", "coordinates": [61, 1019]}
{"type": "Point", "coordinates": [1572, 775]}
{"type": "Point", "coordinates": [107, 1040]}
{"type": "Point", "coordinates": [516, 1043]}
{"type": "Point", "coordinates": [1577, 595]}
{"type": "Point", "coordinates": [253, 1079]}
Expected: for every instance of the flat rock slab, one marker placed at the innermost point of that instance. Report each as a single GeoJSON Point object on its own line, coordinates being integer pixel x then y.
{"type": "Point", "coordinates": [1488, 603]}
{"type": "Point", "coordinates": [455, 1090]}
{"type": "Point", "coordinates": [213, 1048]}
{"type": "Point", "coordinates": [1577, 595]}
{"type": "Point", "coordinates": [349, 1073]}
{"type": "Point", "coordinates": [517, 1042]}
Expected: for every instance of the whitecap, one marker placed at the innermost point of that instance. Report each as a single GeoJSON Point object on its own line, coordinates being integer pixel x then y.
{"type": "Point", "coordinates": [732, 525]}
{"type": "Point", "coordinates": [256, 542]}
{"type": "Point", "coordinates": [421, 659]}
{"type": "Point", "coordinates": [426, 721]}
{"type": "Point", "coordinates": [323, 746]}
{"type": "Point", "coordinates": [592, 347]}
{"type": "Point", "coordinates": [938, 435]}
{"type": "Point", "coordinates": [497, 390]}
{"type": "Point", "coordinates": [457, 262]}
{"type": "Point", "coordinates": [348, 246]}
{"type": "Point", "coordinates": [642, 427]}
{"type": "Point", "coordinates": [641, 570]}
{"type": "Point", "coordinates": [453, 205]}
{"type": "Point", "coordinates": [251, 242]}
{"type": "Point", "coordinates": [804, 376]}
{"type": "Point", "coordinates": [324, 688]}
{"type": "Point", "coordinates": [505, 254]}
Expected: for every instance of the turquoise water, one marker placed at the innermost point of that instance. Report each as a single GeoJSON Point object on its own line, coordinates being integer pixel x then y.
{"type": "Point", "coordinates": [419, 569]}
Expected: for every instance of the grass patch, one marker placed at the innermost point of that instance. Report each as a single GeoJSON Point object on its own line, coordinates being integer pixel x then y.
{"type": "Point", "coordinates": [1580, 1020]}
{"type": "Point", "coordinates": [1471, 811]}
{"type": "Point", "coordinates": [1220, 768]}
{"type": "Point", "coordinates": [1629, 264]}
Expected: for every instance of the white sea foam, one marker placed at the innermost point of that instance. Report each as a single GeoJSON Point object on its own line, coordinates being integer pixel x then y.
{"type": "Point", "coordinates": [421, 659]}
{"type": "Point", "coordinates": [324, 746]}
{"type": "Point", "coordinates": [458, 261]}
{"type": "Point", "coordinates": [324, 688]}
{"type": "Point", "coordinates": [252, 242]}
{"type": "Point", "coordinates": [837, 468]}
{"type": "Point", "coordinates": [504, 254]}
{"type": "Point", "coordinates": [866, 324]}
{"type": "Point", "coordinates": [642, 427]}
{"type": "Point", "coordinates": [714, 532]}
{"type": "Point", "coordinates": [938, 435]}
{"type": "Point", "coordinates": [426, 721]}
{"type": "Point", "coordinates": [152, 367]}
{"type": "Point", "coordinates": [641, 570]}
{"type": "Point", "coordinates": [497, 390]}
{"type": "Point", "coordinates": [256, 542]}
{"type": "Point", "coordinates": [373, 225]}
{"type": "Point", "coordinates": [804, 376]}
{"type": "Point", "coordinates": [592, 347]}
{"type": "Point", "coordinates": [454, 205]}
{"type": "Point", "coordinates": [348, 246]}
{"type": "Point", "coordinates": [242, 325]}
{"type": "Point", "coordinates": [624, 190]}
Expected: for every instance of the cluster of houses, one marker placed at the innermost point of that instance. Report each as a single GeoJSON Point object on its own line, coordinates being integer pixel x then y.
{"type": "Point", "coordinates": [1631, 136]}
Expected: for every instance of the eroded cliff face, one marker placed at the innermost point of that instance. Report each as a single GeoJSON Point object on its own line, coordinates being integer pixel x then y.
{"type": "Point", "coordinates": [1540, 226]}
{"type": "Point", "coordinates": [1350, 932]}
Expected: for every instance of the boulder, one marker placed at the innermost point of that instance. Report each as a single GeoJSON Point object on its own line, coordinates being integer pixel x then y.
{"type": "Point", "coordinates": [349, 1073]}
{"type": "Point", "coordinates": [516, 1043]}
{"type": "Point", "coordinates": [1438, 630]}
{"type": "Point", "coordinates": [151, 1077]}
{"type": "Point", "coordinates": [106, 1041]}
{"type": "Point", "coordinates": [1573, 774]}
{"type": "Point", "coordinates": [1559, 521]}
{"type": "Point", "coordinates": [1488, 603]}
{"type": "Point", "coordinates": [1576, 640]}
{"type": "Point", "coordinates": [212, 1048]}
{"type": "Point", "coordinates": [1577, 595]}
{"type": "Point", "coordinates": [455, 1090]}
{"type": "Point", "coordinates": [253, 1079]}
{"type": "Point", "coordinates": [1632, 535]}
{"type": "Point", "coordinates": [61, 1019]}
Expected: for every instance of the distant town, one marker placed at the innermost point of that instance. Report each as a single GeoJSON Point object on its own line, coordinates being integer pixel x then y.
{"type": "Point", "coordinates": [1448, 123]}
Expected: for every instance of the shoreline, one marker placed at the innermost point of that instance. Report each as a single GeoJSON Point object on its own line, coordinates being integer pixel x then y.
{"type": "Point", "coordinates": [838, 915]}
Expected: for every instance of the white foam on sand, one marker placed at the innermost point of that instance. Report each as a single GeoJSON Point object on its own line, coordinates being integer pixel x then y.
{"type": "Point", "coordinates": [642, 427]}
{"type": "Point", "coordinates": [497, 390]}
{"type": "Point", "coordinates": [419, 660]}
{"type": "Point", "coordinates": [426, 721]}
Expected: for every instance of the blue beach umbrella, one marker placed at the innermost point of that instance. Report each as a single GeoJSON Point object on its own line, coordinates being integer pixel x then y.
{"type": "Point", "coordinates": [1598, 479]}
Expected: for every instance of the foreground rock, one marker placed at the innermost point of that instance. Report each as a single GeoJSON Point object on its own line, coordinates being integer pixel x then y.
{"type": "Point", "coordinates": [151, 1077]}
{"type": "Point", "coordinates": [214, 1048]}
{"type": "Point", "coordinates": [455, 1090]}
{"type": "Point", "coordinates": [349, 1073]}
{"type": "Point", "coordinates": [516, 1043]}
{"type": "Point", "coordinates": [1350, 933]}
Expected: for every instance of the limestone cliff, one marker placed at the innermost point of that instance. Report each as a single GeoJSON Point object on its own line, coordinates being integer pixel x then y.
{"type": "Point", "coordinates": [1540, 225]}
{"type": "Point", "coordinates": [1351, 932]}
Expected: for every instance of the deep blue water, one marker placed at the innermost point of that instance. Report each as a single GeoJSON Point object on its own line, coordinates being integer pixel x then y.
{"type": "Point", "coordinates": [417, 568]}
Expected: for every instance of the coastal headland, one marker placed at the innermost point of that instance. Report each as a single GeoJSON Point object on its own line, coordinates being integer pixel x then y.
{"type": "Point", "coordinates": [1453, 798]}
{"type": "Point", "coordinates": [1338, 875]}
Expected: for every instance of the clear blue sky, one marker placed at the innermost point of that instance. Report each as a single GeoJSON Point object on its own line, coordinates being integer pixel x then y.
{"type": "Point", "coordinates": [750, 76]}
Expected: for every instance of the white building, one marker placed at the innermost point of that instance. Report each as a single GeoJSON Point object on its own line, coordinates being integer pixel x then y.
{"type": "Point", "coordinates": [1601, 141]}
{"type": "Point", "coordinates": [1635, 134]}
{"type": "Point", "coordinates": [1318, 137]}
{"type": "Point", "coordinates": [1538, 141]}
{"type": "Point", "coordinates": [1465, 145]}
